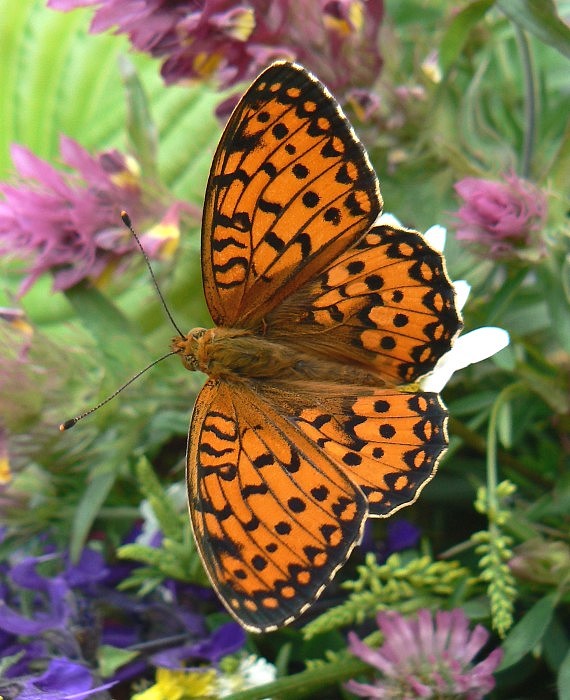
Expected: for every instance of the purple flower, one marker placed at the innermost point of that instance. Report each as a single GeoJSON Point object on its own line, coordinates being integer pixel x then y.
{"type": "Point", "coordinates": [501, 218]}
{"type": "Point", "coordinates": [226, 640]}
{"type": "Point", "coordinates": [63, 679]}
{"type": "Point", "coordinates": [69, 224]}
{"type": "Point", "coordinates": [400, 534]}
{"type": "Point", "coordinates": [337, 39]}
{"type": "Point", "coordinates": [426, 658]}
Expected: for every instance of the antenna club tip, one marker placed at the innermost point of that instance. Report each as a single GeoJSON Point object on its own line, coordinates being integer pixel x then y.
{"type": "Point", "coordinates": [68, 424]}
{"type": "Point", "coordinates": [126, 219]}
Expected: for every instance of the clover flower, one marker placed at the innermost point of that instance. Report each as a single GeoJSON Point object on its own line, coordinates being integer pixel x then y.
{"type": "Point", "coordinates": [69, 224]}
{"type": "Point", "coordinates": [235, 41]}
{"type": "Point", "coordinates": [501, 218]}
{"type": "Point", "coordinates": [426, 658]}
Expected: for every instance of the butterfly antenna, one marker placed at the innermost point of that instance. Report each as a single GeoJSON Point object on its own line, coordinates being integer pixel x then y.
{"type": "Point", "coordinates": [72, 421]}
{"type": "Point", "coordinates": [127, 221]}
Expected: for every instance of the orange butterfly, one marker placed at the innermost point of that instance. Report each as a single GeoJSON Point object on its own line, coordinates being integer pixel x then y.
{"type": "Point", "coordinates": [305, 426]}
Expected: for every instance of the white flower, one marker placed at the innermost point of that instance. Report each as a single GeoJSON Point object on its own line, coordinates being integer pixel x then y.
{"type": "Point", "coordinates": [251, 672]}
{"type": "Point", "coordinates": [468, 349]}
{"type": "Point", "coordinates": [150, 527]}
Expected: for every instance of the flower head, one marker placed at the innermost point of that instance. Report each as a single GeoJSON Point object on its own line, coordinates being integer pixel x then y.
{"type": "Point", "coordinates": [426, 658]}
{"type": "Point", "coordinates": [542, 562]}
{"type": "Point", "coordinates": [63, 679]}
{"type": "Point", "coordinates": [501, 218]}
{"type": "Point", "coordinates": [69, 224]}
{"type": "Point", "coordinates": [240, 674]}
{"type": "Point", "coordinates": [177, 685]}
{"type": "Point", "coordinates": [235, 41]}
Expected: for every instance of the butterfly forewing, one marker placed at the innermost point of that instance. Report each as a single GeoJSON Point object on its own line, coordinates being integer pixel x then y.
{"type": "Point", "coordinates": [291, 188]}
{"type": "Point", "coordinates": [273, 517]}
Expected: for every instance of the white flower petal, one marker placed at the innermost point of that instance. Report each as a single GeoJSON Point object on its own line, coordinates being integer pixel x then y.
{"type": "Point", "coordinates": [479, 344]}
{"type": "Point", "coordinates": [435, 236]}
{"type": "Point", "coordinates": [468, 349]}
{"type": "Point", "coordinates": [387, 219]}
{"type": "Point", "coordinates": [462, 289]}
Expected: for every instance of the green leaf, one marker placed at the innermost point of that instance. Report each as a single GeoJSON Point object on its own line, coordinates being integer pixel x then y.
{"type": "Point", "coordinates": [505, 425]}
{"type": "Point", "coordinates": [528, 632]}
{"type": "Point", "coordinates": [564, 679]}
{"type": "Point", "coordinates": [112, 658]}
{"type": "Point", "coordinates": [166, 515]}
{"type": "Point", "coordinates": [88, 508]}
{"type": "Point", "coordinates": [117, 338]}
{"type": "Point", "coordinates": [539, 17]}
{"type": "Point", "coordinates": [458, 32]}
{"type": "Point", "coordinates": [555, 278]}
{"type": "Point", "coordinates": [141, 130]}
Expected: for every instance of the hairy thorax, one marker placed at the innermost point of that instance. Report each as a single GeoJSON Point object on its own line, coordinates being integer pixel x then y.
{"type": "Point", "coordinates": [234, 354]}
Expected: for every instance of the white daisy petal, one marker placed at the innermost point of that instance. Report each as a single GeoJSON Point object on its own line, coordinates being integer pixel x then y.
{"type": "Point", "coordinates": [462, 289]}
{"type": "Point", "coordinates": [387, 219]}
{"type": "Point", "coordinates": [435, 236]}
{"type": "Point", "coordinates": [468, 349]}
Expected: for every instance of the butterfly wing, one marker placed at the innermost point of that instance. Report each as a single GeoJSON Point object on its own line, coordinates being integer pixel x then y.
{"type": "Point", "coordinates": [385, 304]}
{"type": "Point", "coordinates": [387, 442]}
{"type": "Point", "coordinates": [273, 516]}
{"type": "Point", "coordinates": [290, 189]}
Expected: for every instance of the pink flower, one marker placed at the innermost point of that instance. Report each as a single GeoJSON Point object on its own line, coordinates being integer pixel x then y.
{"type": "Point", "coordinates": [426, 658]}
{"type": "Point", "coordinates": [500, 217]}
{"type": "Point", "coordinates": [337, 39]}
{"type": "Point", "coordinates": [69, 224]}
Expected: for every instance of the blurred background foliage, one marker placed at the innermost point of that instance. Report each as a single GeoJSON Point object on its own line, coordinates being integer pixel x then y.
{"type": "Point", "coordinates": [496, 101]}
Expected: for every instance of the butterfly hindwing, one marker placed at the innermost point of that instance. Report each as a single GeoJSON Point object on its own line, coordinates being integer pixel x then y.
{"type": "Point", "coordinates": [386, 441]}
{"type": "Point", "coordinates": [273, 516]}
{"type": "Point", "coordinates": [291, 187]}
{"type": "Point", "coordinates": [386, 303]}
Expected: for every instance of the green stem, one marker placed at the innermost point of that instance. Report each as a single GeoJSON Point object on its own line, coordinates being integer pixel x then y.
{"type": "Point", "coordinates": [492, 478]}
{"type": "Point", "coordinates": [529, 101]}
{"type": "Point", "coordinates": [478, 443]}
{"type": "Point", "coordinates": [307, 683]}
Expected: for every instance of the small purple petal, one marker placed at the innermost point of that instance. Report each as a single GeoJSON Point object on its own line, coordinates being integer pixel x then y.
{"type": "Point", "coordinates": [62, 680]}
{"type": "Point", "coordinates": [88, 570]}
{"type": "Point", "coordinates": [15, 623]}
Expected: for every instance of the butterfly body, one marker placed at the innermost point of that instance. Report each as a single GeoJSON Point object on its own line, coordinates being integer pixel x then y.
{"type": "Point", "coordinates": [234, 355]}
{"type": "Point", "coordinates": [307, 424]}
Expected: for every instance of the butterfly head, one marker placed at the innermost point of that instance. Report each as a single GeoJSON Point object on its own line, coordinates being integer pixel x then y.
{"type": "Point", "coordinates": [188, 347]}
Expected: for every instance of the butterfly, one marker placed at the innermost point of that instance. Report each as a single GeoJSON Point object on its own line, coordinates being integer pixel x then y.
{"type": "Point", "coordinates": [308, 423]}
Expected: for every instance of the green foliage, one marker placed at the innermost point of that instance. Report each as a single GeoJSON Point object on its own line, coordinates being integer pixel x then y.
{"type": "Point", "coordinates": [396, 585]}
{"type": "Point", "coordinates": [176, 557]}
{"type": "Point", "coordinates": [478, 90]}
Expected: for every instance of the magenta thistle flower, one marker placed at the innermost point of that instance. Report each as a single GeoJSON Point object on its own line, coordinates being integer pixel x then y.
{"type": "Point", "coordinates": [426, 658]}
{"type": "Point", "coordinates": [235, 41]}
{"type": "Point", "coordinates": [501, 218]}
{"type": "Point", "coordinates": [69, 223]}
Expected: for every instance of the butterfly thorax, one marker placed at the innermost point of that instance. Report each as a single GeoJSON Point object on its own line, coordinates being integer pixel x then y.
{"type": "Point", "coordinates": [235, 353]}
